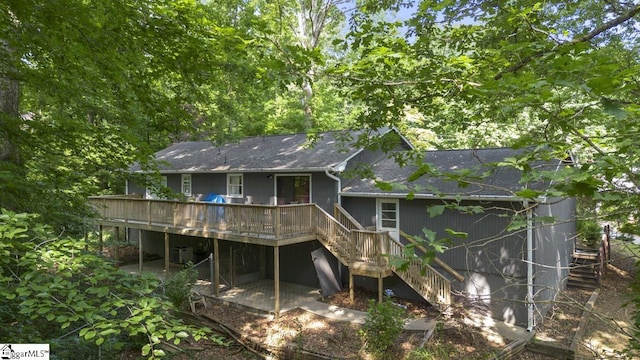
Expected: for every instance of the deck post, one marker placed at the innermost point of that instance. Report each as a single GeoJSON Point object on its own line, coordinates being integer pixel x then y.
{"type": "Point", "coordinates": [380, 287]}
{"type": "Point", "coordinates": [277, 222]}
{"type": "Point", "coordinates": [352, 295]}
{"type": "Point", "coordinates": [100, 240]}
{"type": "Point", "coordinates": [216, 279]}
{"type": "Point", "coordinates": [116, 246]}
{"type": "Point", "coordinates": [231, 267]}
{"type": "Point", "coordinates": [276, 276]}
{"type": "Point", "coordinates": [166, 252]}
{"type": "Point", "coordinates": [140, 252]}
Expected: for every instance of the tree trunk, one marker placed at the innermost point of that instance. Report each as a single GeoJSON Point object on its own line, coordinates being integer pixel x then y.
{"type": "Point", "coordinates": [9, 101]}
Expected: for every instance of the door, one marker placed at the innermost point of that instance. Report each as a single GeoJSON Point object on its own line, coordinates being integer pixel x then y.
{"type": "Point", "coordinates": [293, 189]}
{"type": "Point", "coordinates": [387, 217]}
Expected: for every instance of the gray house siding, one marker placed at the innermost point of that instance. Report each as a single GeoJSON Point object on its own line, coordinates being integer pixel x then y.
{"type": "Point", "coordinates": [363, 209]}
{"type": "Point", "coordinates": [296, 265]}
{"type": "Point", "coordinates": [487, 249]}
{"type": "Point", "coordinates": [491, 260]}
{"type": "Point", "coordinates": [202, 184]}
{"type": "Point", "coordinates": [553, 250]}
{"type": "Point", "coordinates": [258, 188]}
{"type": "Point", "coordinates": [324, 191]}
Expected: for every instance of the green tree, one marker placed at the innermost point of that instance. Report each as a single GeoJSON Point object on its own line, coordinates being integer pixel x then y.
{"type": "Point", "coordinates": [554, 77]}
{"type": "Point", "coordinates": [87, 89]}
{"type": "Point", "coordinates": [53, 289]}
{"type": "Point", "coordinates": [299, 35]}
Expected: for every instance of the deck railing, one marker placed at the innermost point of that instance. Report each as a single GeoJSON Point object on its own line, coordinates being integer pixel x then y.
{"type": "Point", "coordinates": [349, 244]}
{"type": "Point", "coordinates": [259, 220]}
{"type": "Point", "coordinates": [335, 236]}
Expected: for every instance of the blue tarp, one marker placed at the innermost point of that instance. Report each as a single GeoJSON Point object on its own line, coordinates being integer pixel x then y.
{"type": "Point", "coordinates": [214, 198]}
{"type": "Point", "coordinates": [219, 211]}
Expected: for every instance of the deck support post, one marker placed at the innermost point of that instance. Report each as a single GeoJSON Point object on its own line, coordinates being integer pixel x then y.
{"type": "Point", "coordinates": [216, 262]}
{"type": "Point", "coordinates": [231, 267]}
{"type": "Point", "coordinates": [352, 294]}
{"type": "Point", "coordinates": [166, 252]}
{"type": "Point", "coordinates": [140, 251]}
{"type": "Point", "coordinates": [276, 276]}
{"type": "Point", "coordinates": [100, 240]}
{"type": "Point", "coordinates": [380, 287]}
{"type": "Point", "coordinates": [116, 246]}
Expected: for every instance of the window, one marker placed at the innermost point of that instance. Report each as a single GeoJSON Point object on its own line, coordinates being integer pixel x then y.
{"type": "Point", "coordinates": [234, 185]}
{"type": "Point", "coordinates": [186, 184]}
{"type": "Point", "coordinates": [293, 189]}
{"type": "Point", "coordinates": [387, 216]}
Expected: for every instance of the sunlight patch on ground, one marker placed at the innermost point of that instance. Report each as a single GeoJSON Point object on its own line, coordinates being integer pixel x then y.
{"type": "Point", "coordinates": [617, 270]}
{"type": "Point", "coordinates": [279, 335]}
{"type": "Point", "coordinates": [488, 326]}
{"type": "Point", "coordinates": [605, 344]}
{"type": "Point", "coordinates": [543, 337]}
{"type": "Point", "coordinates": [311, 322]}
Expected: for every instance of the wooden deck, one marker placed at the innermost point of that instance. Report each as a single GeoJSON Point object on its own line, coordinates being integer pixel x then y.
{"type": "Point", "coordinates": [254, 224]}
{"type": "Point", "coordinates": [365, 252]}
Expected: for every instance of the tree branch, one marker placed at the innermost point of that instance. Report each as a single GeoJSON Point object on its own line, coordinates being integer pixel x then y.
{"type": "Point", "coordinates": [587, 37]}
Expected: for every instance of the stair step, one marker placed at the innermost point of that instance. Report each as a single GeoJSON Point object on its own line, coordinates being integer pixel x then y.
{"type": "Point", "coordinates": [582, 285]}
{"type": "Point", "coordinates": [583, 278]}
{"type": "Point", "coordinates": [586, 256]}
{"type": "Point", "coordinates": [583, 271]}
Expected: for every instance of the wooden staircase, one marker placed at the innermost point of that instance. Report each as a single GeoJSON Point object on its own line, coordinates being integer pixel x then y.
{"type": "Point", "coordinates": [351, 244]}
{"type": "Point", "coordinates": [584, 271]}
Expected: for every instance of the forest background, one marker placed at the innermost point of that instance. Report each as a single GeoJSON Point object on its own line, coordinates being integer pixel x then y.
{"type": "Point", "coordinates": [88, 88]}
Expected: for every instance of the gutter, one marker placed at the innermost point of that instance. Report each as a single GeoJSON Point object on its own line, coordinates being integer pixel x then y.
{"type": "Point", "coordinates": [530, 315]}
{"type": "Point", "coordinates": [433, 196]}
{"type": "Point", "coordinates": [330, 174]}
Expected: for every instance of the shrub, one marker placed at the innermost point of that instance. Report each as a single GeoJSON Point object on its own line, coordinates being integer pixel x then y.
{"type": "Point", "coordinates": [383, 324]}
{"type": "Point", "coordinates": [590, 232]}
{"type": "Point", "coordinates": [178, 287]}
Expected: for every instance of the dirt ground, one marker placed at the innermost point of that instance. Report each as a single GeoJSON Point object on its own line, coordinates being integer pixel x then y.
{"type": "Point", "coordinates": [323, 338]}
{"type": "Point", "coordinates": [453, 338]}
{"type": "Point", "coordinates": [610, 323]}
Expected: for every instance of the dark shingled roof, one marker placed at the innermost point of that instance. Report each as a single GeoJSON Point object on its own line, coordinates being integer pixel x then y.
{"type": "Point", "coordinates": [261, 153]}
{"type": "Point", "coordinates": [490, 181]}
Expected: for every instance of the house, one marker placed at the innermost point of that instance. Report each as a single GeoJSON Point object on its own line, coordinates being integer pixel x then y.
{"type": "Point", "coordinates": [515, 253]}
{"type": "Point", "coordinates": [280, 198]}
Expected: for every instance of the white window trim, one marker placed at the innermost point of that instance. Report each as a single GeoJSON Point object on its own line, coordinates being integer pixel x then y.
{"type": "Point", "coordinates": [241, 193]}
{"type": "Point", "coordinates": [395, 231]}
{"type": "Point", "coordinates": [186, 184]}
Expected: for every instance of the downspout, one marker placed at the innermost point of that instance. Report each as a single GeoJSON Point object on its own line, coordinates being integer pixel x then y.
{"type": "Point", "coordinates": [338, 180]}
{"type": "Point", "coordinates": [530, 304]}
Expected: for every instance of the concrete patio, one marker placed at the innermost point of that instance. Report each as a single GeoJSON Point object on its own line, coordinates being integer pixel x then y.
{"type": "Point", "coordinates": [257, 296]}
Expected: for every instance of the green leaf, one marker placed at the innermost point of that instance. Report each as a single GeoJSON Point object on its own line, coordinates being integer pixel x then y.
{"type": "Point", "coordinates": [459, 234]}
{"type": "Point", "coordinates": [613, 109]}
{"type": "Point", "coordinates": [146, 349]}
{"type": "Point", "coordinates": [429, 234]}
{"type": "Point", "coordinates": [436, 210]}
{"type": "Point", "coordinates": [384, 186]}
{"type": "Point", "coordinates": [159, 353]}
{"type": "Point", "coordinates": [528, 193]}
